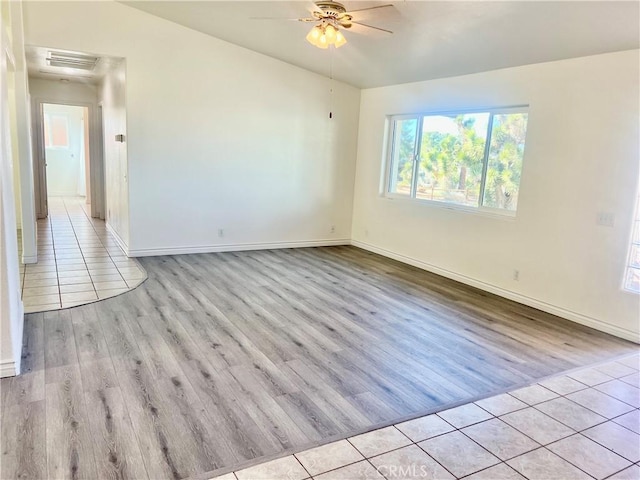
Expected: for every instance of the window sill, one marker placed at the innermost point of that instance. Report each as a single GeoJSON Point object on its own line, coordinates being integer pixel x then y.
{"type": "Point", "coordinates": [480, 211]}
{"type": "Point", "coordinates": [629, 292]}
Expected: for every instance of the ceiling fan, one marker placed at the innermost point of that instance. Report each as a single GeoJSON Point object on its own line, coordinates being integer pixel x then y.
{"type": "Point", "coordinates": [329, 17]}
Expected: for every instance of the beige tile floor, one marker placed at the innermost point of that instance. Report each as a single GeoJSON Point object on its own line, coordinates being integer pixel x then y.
{"type": "Point", "coordinates": [580, 425]}
{"type": "Point", "coordinates": [79, 261]}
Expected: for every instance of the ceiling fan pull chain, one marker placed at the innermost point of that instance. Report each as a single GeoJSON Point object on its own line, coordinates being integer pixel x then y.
{"type": "Point", "coordinates": [330, 83]}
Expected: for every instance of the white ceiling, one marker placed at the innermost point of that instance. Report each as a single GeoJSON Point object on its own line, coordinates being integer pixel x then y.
{"type": "Point", "coordinates": [431, 39]}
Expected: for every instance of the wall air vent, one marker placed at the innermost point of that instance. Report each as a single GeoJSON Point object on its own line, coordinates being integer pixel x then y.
{"type": "Point", "coordinates": [71, 60]}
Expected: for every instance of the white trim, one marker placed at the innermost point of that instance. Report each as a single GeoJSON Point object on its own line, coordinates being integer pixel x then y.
{"type": "Point", "coordinates": [11, 367]}
{"type": "Point", "coordinates": [121, 242]}
{"type": "Point", "coordinates": [8, 368]}
{"type": "Point", "coordinates": [516, 297]}
{"type": "Point", "coordinates": [518, 108]}
{"type": "Point", "coordinates": [17, 339]}
{"type": "Point", "coordinates": [235, 247]}
{"type": "Point", "coordinates": [29, 259]}
{"type": "Point", "coordinates": [496, 213]}
{"type": "Point", "coordinates": [628, 266]}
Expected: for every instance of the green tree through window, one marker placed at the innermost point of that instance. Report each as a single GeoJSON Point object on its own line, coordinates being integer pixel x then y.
{"type": "Point", "coordinates": [405, 138]}
{"type": "Point", "coordinates": [454, 163]}
{"type": "Point", "coordinates": [505, 161]}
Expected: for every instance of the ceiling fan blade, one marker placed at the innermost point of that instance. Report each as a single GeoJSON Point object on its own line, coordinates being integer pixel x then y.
{"type": "Point", "coordinates": [371, 26]}
{"type": "Point", "coordinates": [370, 8]}
{"type": "Point", "coordinates": [312, 8]}
{"type": "Point", "coordinates": [285, 19]}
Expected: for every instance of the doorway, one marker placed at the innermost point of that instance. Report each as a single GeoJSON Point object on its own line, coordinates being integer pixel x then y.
{"type": "Point", "coordinates": [68, 162]}
{"type": "Point", "coordinates": [66, 150]}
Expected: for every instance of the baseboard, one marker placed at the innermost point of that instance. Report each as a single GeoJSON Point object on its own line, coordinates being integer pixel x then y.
{"type": "Point", "coordinates": [8, 368]}
{"type": "Point", "coordinates": [30, 259]}
{"type": "Point", "coordinates": [516, 297]}
{"type": "Point", "coordinates": [14, 366]}
{"type": "Point", "coordinates": [236, 247]}
{"type": "Point", "coordinates": [121, 243]}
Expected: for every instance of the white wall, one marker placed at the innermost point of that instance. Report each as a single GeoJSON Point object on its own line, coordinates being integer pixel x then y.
{"type": "Point", "coordinates": [114, 118]}
{"type": "Point", "coordinates": [56, 91]}
{"type": "Point", "coordinates": [13, 127]}
{"type": "Point", "coordinates": [19, 108]}
{"type": "Point", "coordinates": [581, 158]}
{"type": "Point", "coordinates": [11, 308]}
{"type": "Point", "coordinates": [218, 137]}
{"type": "Point", "coordinates": [66, 166]}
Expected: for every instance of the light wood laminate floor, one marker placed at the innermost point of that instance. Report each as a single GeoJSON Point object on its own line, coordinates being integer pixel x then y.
{"type": "Point", "coordinates": [218, 360]}
{"type": "Point", "coordinates": [581, 424]}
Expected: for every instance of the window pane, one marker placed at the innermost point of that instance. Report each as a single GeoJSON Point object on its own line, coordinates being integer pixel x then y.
{"type": "Point", "coordinates": [636, 233]}
{"type": "Point", "coordinates": [404, 146]}
{"type": "Point", "coordinates": [505, 160]}
{"type": "Point", "coordinates": [634, 257]}
{"type": "Point", "coordinates": [59, 131]}
{"type": "Point", "coordinates": [47, 128]}
{"type": "Point", "coordinates": [632, 275]}
{"type": "Point", "coordinates": [451, 157]}
{"type": "Point", "coordinates": [632, 282]}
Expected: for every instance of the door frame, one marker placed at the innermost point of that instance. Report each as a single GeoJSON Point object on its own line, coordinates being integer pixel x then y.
{"type": "Point", "coordinates": [96, 161]}
{"type": "Point", "coordinates": [102, 194]}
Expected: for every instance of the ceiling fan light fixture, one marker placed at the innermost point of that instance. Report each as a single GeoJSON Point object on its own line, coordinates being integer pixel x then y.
{"type": "Point", "coordinates": [340, 40]}
{"type": "Point", "coordinates": [314, 35]}
{"type": "Point", "coordinates": [328, 18]}
{"type": "Point", "coordinates": [330, 32]}
{"type": "Point", "coordinates": [324, 35]}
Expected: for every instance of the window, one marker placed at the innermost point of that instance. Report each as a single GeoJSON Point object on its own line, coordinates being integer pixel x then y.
{"type": "Point", "coordinates": [56, 133]}
{"type": "Point", "coordinates": [632, 275]}
{"type": "Point", "coordinates": [473, 159]}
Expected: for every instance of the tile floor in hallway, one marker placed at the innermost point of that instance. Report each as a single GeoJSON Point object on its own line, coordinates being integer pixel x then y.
{"type": "Point", "coordinates": [79, 261]}
{"type": "Point", "coordinates": [584, 424]}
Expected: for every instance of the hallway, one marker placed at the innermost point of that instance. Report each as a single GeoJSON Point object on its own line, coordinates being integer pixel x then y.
{"type": "Point", "coordinates": [79, 261]}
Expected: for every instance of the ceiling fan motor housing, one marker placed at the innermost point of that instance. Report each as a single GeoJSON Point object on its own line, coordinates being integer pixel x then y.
{"type": "Point", "coordinates": [333, 11]}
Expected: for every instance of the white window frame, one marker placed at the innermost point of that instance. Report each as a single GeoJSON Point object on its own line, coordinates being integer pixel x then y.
{"type": "Point", "coordinates": [627, 265]}
{"type": "Point", "coordinates": [388, 160]}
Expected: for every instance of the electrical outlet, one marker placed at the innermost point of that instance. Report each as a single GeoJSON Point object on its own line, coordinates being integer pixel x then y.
{"type": "Point", "coordinates": [333, 229]}
{"type": "Point", "coordinates": [516, 275]}
{"type": "Point", "coordinates": [221, 232]}
{"type": "Point", "coordinates": [366, 232]}
{"type": "Point", "coordinates": [605, 219]}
